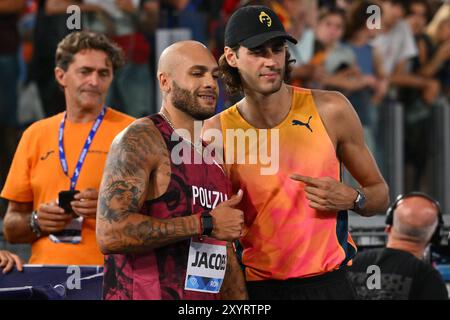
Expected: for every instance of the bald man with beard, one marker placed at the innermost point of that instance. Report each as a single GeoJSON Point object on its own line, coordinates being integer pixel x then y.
{"type": "Point", "coordinates": [165, 221]}
{"type": "Point", "coordinates": [404, 274]}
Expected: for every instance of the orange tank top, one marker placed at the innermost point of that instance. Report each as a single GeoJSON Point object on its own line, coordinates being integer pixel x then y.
{"type": "Point", "coordinates": [283, 237]}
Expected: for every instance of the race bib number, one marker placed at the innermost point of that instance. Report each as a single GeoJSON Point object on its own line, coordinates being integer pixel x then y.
{"type": "Point", "coordinates": [206, 267]}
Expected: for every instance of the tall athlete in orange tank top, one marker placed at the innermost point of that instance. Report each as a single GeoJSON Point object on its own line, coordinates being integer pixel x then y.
{"type": "Point", "coordinates": [166, 221]}
{"type": "Point", "coordinates": [295, 241]}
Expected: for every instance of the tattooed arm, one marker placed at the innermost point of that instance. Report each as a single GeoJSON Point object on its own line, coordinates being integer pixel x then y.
{"type": "Point", "coordinates": [233, 287]}
{"type": "Point", "coordinates": [136, 154]}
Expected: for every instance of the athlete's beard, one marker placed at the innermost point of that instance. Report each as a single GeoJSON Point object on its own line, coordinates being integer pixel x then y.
{"type": "Point", "coordinates": [277, 85]}
{"type": "Point", "coordinates": [189, 103]}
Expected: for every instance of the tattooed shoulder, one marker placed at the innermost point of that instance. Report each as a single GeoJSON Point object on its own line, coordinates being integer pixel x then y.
{"type": "Point", "coordinates": [136, 147]}
{"type": "Point", "coordinates": [134, 154]}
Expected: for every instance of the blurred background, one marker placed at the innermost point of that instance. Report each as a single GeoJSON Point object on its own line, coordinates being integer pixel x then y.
{"type": "Point", "coordinates": [391, 59]}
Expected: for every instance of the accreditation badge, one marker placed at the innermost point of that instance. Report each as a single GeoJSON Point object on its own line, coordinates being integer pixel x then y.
{"type": "Point", "coordinates": [206, 266]}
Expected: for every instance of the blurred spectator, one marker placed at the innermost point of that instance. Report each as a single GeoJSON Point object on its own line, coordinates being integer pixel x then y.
{"type": "Point", "coordinates": [50, 28]}
{"type": "Point", "coordinates": [303, 22]}
{"type": "Point", "coordinates": [10, 11]}
{"type": "Point", "coordinates": [221, 11]}
{"type": "Point", "coordinates": [267, 3]}
{"type": "Point", "coordinates": [418, 117]}
{"type": "Point", "coordinates": [29, 103]}
{"type": "Point", "coordinates": [368, 60]}
{"type": "Point", "coordinates": [439, 64]}
{"type": "Point", "coordinates": [205, 19]}
{"type": "Point", "coordinates": [417, 17]}
{"type": "Point", "coordinates": [338, 60]}
{"type": "Point", "coordinates": [281, 8]}
{"type": "Point", "coordinates": [123, 20]}
{"type": "Point", "coordinates": [395, 42]}
{"type": "Point", "coordinates": [397, 46]}
{"type": "Point", "coordinates": [190, 14]}
{"type": "Point", "coordinates": [132, 88]}
{"type": "Point", "coordinates": [442, 12]}
{"type": "Point", "coordinates": [401, 60]}
{"type": "Point", "coordinates": [9, 74]}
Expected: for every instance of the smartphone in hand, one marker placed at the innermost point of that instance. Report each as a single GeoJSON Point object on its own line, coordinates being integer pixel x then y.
{"type": "Point", "coordinates": [65, 198]}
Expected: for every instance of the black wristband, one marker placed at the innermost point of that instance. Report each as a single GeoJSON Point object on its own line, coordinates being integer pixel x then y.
{"type": "Point", "coordinates": [207, 223]}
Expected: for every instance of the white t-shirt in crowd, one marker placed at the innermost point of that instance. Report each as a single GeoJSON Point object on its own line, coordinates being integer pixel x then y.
{"type": "Point", "coordinates": [396, 45]}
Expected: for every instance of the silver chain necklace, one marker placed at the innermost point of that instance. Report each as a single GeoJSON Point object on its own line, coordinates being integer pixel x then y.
{"type": "Point", "coordinates": [196, 148]}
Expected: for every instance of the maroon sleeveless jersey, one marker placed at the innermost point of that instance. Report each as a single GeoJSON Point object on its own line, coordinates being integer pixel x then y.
{"type": "Point", "coordinates": [160, 273]}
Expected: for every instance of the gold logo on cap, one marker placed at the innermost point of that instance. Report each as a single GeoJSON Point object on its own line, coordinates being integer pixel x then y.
{"type": "Point", "coordinates": [265, 19]}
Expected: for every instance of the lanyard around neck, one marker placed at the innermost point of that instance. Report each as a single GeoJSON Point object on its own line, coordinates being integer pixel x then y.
{"type": "Point", "coordinates": [87, 144]}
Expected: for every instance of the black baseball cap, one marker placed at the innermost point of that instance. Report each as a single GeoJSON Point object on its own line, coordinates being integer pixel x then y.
{"type": "Point", "coordinates": [251, 26]}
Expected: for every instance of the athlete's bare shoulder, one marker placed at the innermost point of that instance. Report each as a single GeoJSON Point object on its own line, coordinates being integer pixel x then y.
{"type": "Point", "coordinates": [337, 113]}
{"type": "Point", "coordinates": [331, 103]}
{"type": "Point", "coordinates": [139, 145]}
{"type": "Point", "coordinates": [211, 124]}
{"type": "Point", "coordinates": [135, 155]}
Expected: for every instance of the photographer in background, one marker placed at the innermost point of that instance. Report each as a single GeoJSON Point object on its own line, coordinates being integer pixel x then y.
{"type": "Point", "coordinates": [413, 221]}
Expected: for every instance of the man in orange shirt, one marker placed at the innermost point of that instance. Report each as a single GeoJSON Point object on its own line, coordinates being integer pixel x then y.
{"type": "Point", "coordinates": [66, 152]}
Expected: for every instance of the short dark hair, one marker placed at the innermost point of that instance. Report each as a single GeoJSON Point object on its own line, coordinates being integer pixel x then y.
{"type": "Point", "coordinates": [423, 3]}
{"type": "Point", "coordinates": [357, 17]}
{"type": "Point", "coordinates": [232, 80]}
{"type": "Point", "coordinates": [332, 11]}
{"type": "Point", "coordinates": [78, 41]}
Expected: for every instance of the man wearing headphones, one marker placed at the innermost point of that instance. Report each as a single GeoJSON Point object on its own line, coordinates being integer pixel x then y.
{"type": "Point", "coordinates": [398, 271]}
